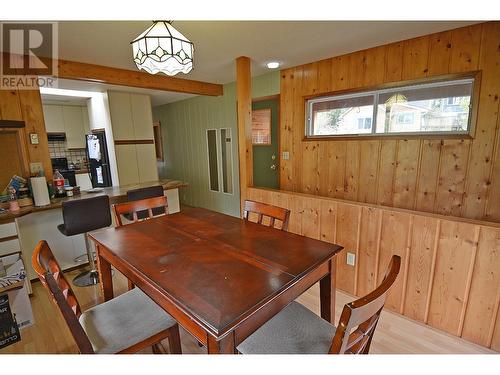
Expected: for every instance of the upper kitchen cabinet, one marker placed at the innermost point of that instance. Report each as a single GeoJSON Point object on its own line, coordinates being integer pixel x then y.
{"type": "Point", "coordinates": [142, 116]}
{"type": "Point", "coordinates": [131, 116]}
{"type": "Point", "coordinates": [121, 115]}
{"type": "Point", "coordinates": [72, 120]}
{"type": "Point", "coordinates": [75, 126]}
{"type": "Point", "coordinates": [54, 120]}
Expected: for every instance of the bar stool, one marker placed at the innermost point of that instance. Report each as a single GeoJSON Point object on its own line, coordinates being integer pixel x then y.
{"type": "Point", "coordinates": [81, 216]}
{"type": "Point", "coordinates": [145, 193]}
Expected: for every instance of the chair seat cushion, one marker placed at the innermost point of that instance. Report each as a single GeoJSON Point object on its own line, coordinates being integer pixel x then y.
{"type": "Point", "coordinates": [124, 321]}
{"type": "Point", "coordinates": [294, 330]}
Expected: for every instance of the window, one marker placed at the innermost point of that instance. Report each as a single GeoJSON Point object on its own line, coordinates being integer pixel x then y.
{"type": "Point", "coordinates": [438, 108]}
{"type": "Point", "coordinates": [220, 160]}
{"type": "Point", "coordinates": [158, 140]}
{"type": "Point", "coordinates": [261, 126]}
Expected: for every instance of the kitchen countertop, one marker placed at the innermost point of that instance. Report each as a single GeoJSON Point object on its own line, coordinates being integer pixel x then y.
{"type": "Point", "coordinates": [117, 194]}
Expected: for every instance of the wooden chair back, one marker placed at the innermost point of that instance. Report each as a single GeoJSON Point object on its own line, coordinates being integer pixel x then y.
{"type": "Point", "coordinates": [359, 318]}
{"type": "Point", "coordinates": [50, 274]}
{"type": "Point", "coordinates": [266, 210]}
{"type": "Point", "coordinates": [132, 207]}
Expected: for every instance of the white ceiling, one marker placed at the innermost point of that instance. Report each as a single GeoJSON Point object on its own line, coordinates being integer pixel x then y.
{"type": "Point", "coordinates": [219, 43]}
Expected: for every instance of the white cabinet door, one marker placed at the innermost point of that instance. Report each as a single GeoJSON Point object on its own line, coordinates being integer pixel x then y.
{"type": "Point", "coordinates": [73, 124]}
{"type": "Point", "coordinates": [146, 162]}
{"type": "Point", "coordinates": [53, 116]}
{"type": "Point", "coordinates": [83, 180]}
{"type": "Point", "coordinates": [86, 121]}
{"type": "Point", "coordinates": [121, 115]}
{"type": "Point", "coordinates": [126, 161]}
{"type": "Point", "coordinates": [142, 116]}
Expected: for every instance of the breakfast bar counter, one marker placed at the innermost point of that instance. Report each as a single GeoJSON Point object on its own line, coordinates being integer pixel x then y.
{"type": "Point", "coordinates": [117, 194]}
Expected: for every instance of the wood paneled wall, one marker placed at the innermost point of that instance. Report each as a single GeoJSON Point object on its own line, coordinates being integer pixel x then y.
{"type": "Point", "coordinates": [450, 276]}
{"type": "Point", "coordinates": [26, 105]}
{"type": "Point", "coordinates": [459, 177]}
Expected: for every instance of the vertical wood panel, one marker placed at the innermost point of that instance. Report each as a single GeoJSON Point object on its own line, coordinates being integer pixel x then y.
{"type": "Point", "coordinates": [10, 108]}
{"type": "Point", "coordinates": [340, 71]}
{"type": "Point", "coordinates": [324, 75]}
{"type": "Point", "coordinates": [346, 230]}
{"type": "Point", "coordinates": [393, 242]}
{"type": "Point", "coordinates": [452, 172]}
{"type": "Point", "coordinates": [368, 168]}
{"type": "Point", "coordinates": [32, 113]}
{"type": "Point", "coordinates": [286, 129]}
{"type": "Point", "coordinates": [328, 221]}
{"type": "Point", "coordinates": [370, 223]}
{"type": "Point", "coordinates": [495, 343]}
{"type": "Point", "coordinates": [415, 58]}
{"type": "Point", "coordinates": [386, 172]}
{"type": "Point", "coordinates": [450, 279]}
{"type": "Point", "coordinates": [485, 283]}
{"type": "Point", "coordinates": [484, 177]}
{"type": "Point", "coordinates": [336, 167]}
{"type": "Point", "coordinates": [405, 177]}
{"type": "Point", "coordinates": [311, 218]}
{"type": "Point", "coordinates": [466, 42]}
{"type": "Point", "coordinates": [351, 176]}
{"type": "Point", "coordinates": [428, 177]}
{"type": "Point", "coordinates": [310, 165]}
{"type": "Point", "coordinates": [394, 62]}
{"type": "Point", "coordinates": [420, 266]}
{"type": "Point", "coordinates": [374, 64]}
{"type": "Point", "coordinates": [298, 131]}
{"type": "Point", "coordinates": [440, 53]}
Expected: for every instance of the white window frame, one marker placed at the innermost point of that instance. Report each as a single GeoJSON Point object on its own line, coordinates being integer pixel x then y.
{"type": "Point", "coordinates": [471, 78]}
{"type": "Point", "coordinates": [218, 150]}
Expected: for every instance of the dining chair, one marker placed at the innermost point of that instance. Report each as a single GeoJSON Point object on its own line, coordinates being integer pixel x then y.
{"type": "Point", "coordinates": [131, 211]}
{"type": "Point", "coordinates": [297, 330]}
{"type": "Point", "coordinates": [144, 193]}
{"type": "Point", "coordinates": [132, 208]}
{"type": "Point", "coordinates": [263, 210]}
{"type": "Point", "coordinates": [127, 323]}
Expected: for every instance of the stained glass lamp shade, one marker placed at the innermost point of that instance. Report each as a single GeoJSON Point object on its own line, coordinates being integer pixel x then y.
{"type": "Point", "coordinates": [161, 48]}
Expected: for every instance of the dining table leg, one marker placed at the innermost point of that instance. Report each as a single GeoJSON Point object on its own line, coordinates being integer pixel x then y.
{"type": "Point", "coordinates": [105, 276]}
{"type": "Point", "coordinates": [327, 293]}
{"type": "Point", "coordinates": [222, 346]}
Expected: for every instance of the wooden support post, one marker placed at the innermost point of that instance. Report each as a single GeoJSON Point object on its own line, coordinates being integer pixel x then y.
{"type": "Point", "coordinates": [244, 100]}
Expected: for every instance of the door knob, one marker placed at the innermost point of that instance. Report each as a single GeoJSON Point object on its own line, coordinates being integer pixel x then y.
{"type": "Point", "coordinates": [273, 167]}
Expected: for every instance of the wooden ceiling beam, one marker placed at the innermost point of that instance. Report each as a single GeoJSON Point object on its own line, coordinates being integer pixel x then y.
{"type": "Point", "coordinates": [131, 78]}
{"type": "Point", "coordinates": [123, 77]}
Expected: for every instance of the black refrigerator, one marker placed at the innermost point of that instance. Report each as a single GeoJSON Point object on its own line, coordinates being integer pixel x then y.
{"type": "Point", "coordinates": [98, 159]}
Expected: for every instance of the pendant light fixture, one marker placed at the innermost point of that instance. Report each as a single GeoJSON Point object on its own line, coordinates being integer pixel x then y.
{"type": "Point", "coordinates": [161, 48]}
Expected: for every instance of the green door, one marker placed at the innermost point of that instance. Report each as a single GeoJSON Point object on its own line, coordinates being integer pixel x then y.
{"type": "Point", "coordinates": [265, 156]}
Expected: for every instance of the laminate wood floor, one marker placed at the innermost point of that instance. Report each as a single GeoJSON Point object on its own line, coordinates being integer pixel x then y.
{"type": "Point", "coordinates": [395, 334]}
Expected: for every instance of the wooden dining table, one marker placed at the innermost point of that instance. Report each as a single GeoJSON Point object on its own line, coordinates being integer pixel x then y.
{"type": "Point", "coordinates": [220, 277]}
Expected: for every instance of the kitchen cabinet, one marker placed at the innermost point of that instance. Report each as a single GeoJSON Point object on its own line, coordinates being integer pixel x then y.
{"type": "Point", "coordinates": [142, 116]}
{"type": "Point", "coordinates": [54, 120]}
{"type": "Point", "coordinates": [71, 120]}
{"type": "Point", "coordinates": [146, 162]}
{"type": "Point", "coordinates": [126, 162]}
{"type": "Point", "coordinates": [121, 115]}
{"type": "Point", "coordinates": [73, 126]}
{"type": "Point", "coordinates": [132, 121]}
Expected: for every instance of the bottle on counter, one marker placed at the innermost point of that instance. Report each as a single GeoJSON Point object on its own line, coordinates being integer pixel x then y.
{"type": "Point", "coordinates": [58, 181]}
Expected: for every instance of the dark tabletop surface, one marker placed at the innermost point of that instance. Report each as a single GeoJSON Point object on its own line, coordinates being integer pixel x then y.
{"type": "Point", "coordinates": [217, 267]}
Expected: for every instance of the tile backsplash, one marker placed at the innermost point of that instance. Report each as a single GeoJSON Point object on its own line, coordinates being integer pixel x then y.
{"type": "Point", "coordinates": [57, 149]}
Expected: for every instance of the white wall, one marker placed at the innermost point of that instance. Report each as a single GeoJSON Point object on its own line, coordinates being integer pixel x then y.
{"type": "Point", "coordinates": [100, 118]}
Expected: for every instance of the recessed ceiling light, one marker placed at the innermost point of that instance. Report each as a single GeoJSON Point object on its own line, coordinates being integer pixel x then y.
{"type": "Point", "coordinates": [273, 64]}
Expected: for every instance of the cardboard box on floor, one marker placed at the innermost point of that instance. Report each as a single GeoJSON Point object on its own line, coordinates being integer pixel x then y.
{"type": "Point", "coordinates": [14, 284]}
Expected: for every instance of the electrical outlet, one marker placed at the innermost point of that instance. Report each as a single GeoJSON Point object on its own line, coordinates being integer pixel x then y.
{"type": "Point", "coordinates": [351, 259]}
{"type": "Point", "coordinates": [286, 155]}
